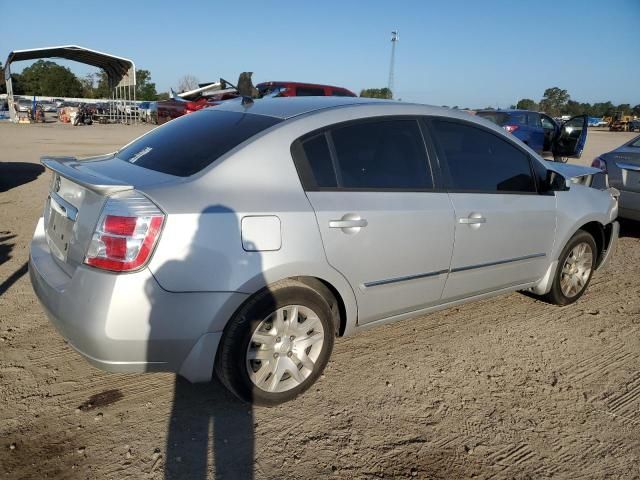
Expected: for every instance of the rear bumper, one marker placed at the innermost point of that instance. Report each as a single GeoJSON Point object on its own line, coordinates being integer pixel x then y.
{"type": "Point", "coordinates": [127, 322]}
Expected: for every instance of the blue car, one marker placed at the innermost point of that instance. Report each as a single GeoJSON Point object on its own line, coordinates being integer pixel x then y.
{"type": "Point", "coordinates": [542, 133]}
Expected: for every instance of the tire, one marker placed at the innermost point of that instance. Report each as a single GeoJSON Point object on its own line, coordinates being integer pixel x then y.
{"type": "Point", "coordinates": [261, 329]}
{"type": "Point", "coordinates": [559, 159]}
{"type": "Point", "coordinates": [564, 290]}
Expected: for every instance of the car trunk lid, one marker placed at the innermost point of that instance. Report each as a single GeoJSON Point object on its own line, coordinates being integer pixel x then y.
{"type": "Point", "coordinates": [627, 159]}
{"type": "Point", "coordinates": [77, 193]}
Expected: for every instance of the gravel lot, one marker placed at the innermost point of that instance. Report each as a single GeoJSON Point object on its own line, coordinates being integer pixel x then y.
{"type": "Point", "coordinates": [505, 388]}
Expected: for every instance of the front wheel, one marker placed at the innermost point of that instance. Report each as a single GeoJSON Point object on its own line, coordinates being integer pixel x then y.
{"type": "Point", "coordinates": [277, 344]}
{"type": "Point", "coordinates": [575, 268]}
{"type": "Point", "coordinates": [560, 159]}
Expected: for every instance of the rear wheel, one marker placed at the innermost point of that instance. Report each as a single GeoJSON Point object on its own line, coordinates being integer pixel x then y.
{"type": "Point", "coordinates": [575, 268]}
{"type": "Point", "coordinates": [277, 345]}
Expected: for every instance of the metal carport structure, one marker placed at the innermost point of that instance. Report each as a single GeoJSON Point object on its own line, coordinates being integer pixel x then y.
{"type": "Point", "coordinates": [121, 73]}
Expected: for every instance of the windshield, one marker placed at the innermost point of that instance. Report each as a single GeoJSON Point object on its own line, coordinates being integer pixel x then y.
{"type": "Point", "coordinates": [635, 143]}
{"type": "Point", "coordinates": [190, 143]}
{"type": "Point", "coordinates": [499, 118]}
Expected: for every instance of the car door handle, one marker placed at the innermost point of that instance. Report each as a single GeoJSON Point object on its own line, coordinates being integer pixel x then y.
{"type": "Point", "coordinates": [348, 223]}
{"type": "Point", "coordinates": [473, 219]}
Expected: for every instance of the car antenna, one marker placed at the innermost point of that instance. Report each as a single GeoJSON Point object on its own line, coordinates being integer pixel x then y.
{"type": "Point", "coordinates": [246, 99]}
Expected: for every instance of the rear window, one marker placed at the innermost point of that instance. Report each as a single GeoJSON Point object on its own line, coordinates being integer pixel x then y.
{"type": "Point", "coordinates": [190, 143]}
{"type": "Point", "coordinates": [504, 118]}
{"type": "Point", "coordinates": [499, 118]}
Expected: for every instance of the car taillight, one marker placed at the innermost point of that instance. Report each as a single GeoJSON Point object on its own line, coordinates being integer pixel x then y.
{"type": "Point", "coordinates": [599, 163]}
{"type": "Point", "coordinates": [126, 233]}
{"type": "Point", "coordinates": [510, 128]}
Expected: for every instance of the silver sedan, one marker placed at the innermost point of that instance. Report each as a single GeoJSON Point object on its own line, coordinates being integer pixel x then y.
{"type": "Point", "coordinates": [244, 239]}
{"type": "Point", "coordinates": [622, 168]}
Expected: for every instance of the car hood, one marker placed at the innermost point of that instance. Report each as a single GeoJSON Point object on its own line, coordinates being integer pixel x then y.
{"type": "Point", "coordinates": [568, 170]}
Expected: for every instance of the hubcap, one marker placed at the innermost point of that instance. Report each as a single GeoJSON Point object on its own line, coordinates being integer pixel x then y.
{"type": "Point", "coordinates": [285, 348]}
{"type": "Point", "coordinates": [576, 270]}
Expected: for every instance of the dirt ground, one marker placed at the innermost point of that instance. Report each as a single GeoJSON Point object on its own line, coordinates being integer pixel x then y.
{"type": "Point", "coordinates": [504, 388]}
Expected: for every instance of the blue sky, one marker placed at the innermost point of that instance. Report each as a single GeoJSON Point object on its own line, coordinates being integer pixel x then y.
{"type": "Point", "coordinates": [451, 52]}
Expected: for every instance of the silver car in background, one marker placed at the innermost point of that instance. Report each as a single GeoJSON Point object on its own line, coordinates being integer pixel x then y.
{"type": "Point", "coordinates": [622, 169]}
{"type": "Point", "coordinates": [244, 238]}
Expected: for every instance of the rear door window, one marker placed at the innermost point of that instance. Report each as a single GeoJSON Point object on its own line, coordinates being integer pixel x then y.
{"type": "Point", "coordinates": [480, 161]}
{"type": "Point", "coordinates": [517, 118]}
{"type": "Point", "coordinates": [547, 123]}
{"type": "Point", "coordinates": [191, 143]}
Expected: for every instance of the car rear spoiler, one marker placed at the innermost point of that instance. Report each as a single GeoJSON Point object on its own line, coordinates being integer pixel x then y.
{"type": "Point", "coordinates": [78, 172]}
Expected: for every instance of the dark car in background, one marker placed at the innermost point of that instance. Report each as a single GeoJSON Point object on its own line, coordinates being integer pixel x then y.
{"type": "Point", "coordinates": [622, 171]}
{"type": "Point", "coordinates": [298, 89]}
{"type": "Point", "coordinates": [541, 132]}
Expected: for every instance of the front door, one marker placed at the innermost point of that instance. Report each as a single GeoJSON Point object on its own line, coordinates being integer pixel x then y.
{"type": "Point", "coordinates": [504, 229]}
{"type": "Point", "coordinates": [382, 224]}
{"type": "Point", "coordinates": [571, 138]}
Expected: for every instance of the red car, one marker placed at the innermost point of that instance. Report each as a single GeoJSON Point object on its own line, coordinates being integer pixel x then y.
{"type": "Point", "coordinates": [170, 109]}
{"type": "Point", "coordinates": [297, 89]}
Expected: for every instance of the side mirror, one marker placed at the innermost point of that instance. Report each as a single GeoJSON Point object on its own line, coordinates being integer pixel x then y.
{"type": "Point", "coordinates": [554, 182]}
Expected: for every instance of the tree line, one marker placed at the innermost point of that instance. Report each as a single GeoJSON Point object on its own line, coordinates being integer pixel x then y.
{"type": "Point", "coordinates": [557, 101]}
{"type": "Point", "coordinates": [48, 78]}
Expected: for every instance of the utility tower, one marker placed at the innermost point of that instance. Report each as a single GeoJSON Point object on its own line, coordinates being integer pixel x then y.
{"type": "Point", "coordinates": [394, 39]}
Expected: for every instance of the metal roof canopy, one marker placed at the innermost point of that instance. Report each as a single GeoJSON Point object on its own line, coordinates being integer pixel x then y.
{"type": "Point", "coordinates": [120, 71]}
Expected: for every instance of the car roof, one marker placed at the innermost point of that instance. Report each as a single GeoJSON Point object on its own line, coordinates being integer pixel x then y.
{"type": "Point", "coordinates": [288, 107]}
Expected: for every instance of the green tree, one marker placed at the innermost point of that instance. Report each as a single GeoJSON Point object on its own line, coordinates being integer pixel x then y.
{"type": "Point", "coordinates": [636, 110]}
{"type": "Point", "coordinates": [145, 88]}
{"type": "Point", "coordinates": [554, 101]}
{"type": "Point", "coordinates": [163, 96]}
{"type": "Point", "coordinates": [377, 93]}
{"type": "Point", "coordinates": [605, 109]}
{"type": "Point", "coordinates": [49, 78]}
{"type": "Point", "coordinates": [624, 108]}
{"type": "Point", "coordinates": [88, 85]}
{"type": "Point", "coordinates": [526, 104]}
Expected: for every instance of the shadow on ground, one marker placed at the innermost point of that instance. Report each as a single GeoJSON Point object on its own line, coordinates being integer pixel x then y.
{"type": "Point", "coordinates": [201, 411]}
{"type": "Point", "coordinates": [14, 174]}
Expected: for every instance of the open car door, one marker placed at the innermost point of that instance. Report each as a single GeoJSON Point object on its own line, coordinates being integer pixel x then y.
{"type": "Point", "coordinates": [571, 139]}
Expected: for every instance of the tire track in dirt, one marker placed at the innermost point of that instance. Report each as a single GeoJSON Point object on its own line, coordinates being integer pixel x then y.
{"type": "Point", "coordinates": [600, 364]}
{"type": "Point", "coordinates": [626, 403]}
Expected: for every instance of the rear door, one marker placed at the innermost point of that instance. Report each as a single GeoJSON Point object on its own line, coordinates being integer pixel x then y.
{"type": "Point", "coordinates": [504, 229]}
{"type": "Point", "coordinates": [536, 141]}
{"type": "Point", "coordinates": [550, 128]}
{"type": "Point", "coordinates": [383, 225]}
{"type": "Point", "coordinates": [571, 138]}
